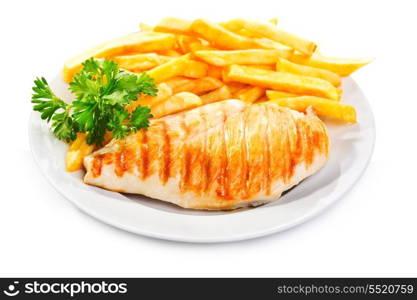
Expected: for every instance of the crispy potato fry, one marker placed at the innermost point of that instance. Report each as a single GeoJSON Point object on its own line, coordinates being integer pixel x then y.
{"type": "Point", "coordinates": [278, 95]}
{"type": "Point", "coordinates": [233, 25]}
{"type": "Point", "coordinates": [135, 42]}
{"type": "Point", "coordinates": [286, 82]}
{"type": "Point", "coordinates": [341, 66]}
{"type": "Point", "coordinates": [322, 106]}
{"type": "Point", "coordinates": [219, 36]}
{"type": "Point", "coordinates": [214, 71]}
{"type": "Point", "coordinates": [170, 53]}
{"type": "Point", "coordinates": [194, 69]}
{"type": "Point", "coordinates": [243, 57]}
{"type": "Point", "coordinates": [286, 52]}
{"type": "Point", "coordinates": [195, 86]}
{"type": "Point", "coordinates": [250, 94]}
{"type": "Point", "coordinates": [270, 31]}
{"type": "Point", "coordinates": [284, 65]}
{"type": "Point", "coordinates": [177, 83]}
{"type": "Point", "coordinates": [236, 87]}
{"type": "Point", "coordinates": [174, 25]}
{"type": "Point", "coordinates": [164, 92]}
{"type": "Point", "coordinates": [262, 67]}
{"type": "Point", "coordinates": [76, 153]}
{"type": "Point", "coordinates": [203, 85]}
{"type": "Point", "coordinates": [184, 43]}
{"type": "Point", "coordinates": [176, 103]}
{"type": "Point", "coordinates": [220, 94]}
{"type": "Point", "coordinates": [140, 61]}
{"type": "Point", "coordinates": [175, 67]}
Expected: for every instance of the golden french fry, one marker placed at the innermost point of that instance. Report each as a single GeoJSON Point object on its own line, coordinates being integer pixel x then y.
{"type": "Point", "coordinates": [236, 87]}
{"type": "Point", "coordinates": [262, 67]}
{"type": "Point", "coordinates": [233, 25]}
{"type": "Point", "coordinates": [170, 53]}
{"type": "Point", "coordinates": [177, 83]}
{"type": "Point", "coordinates": [140, 61]}
{"type": "Point", "coordinates": [278, 95]}
{"type": "Point", "coordinates": [243, 57]}
{"type": "Point", "coordinates": [270, 31]}
{"type": "Point", "coordinates": [284, 65]}
{"type": "Point", "coordinates": [250, 94]}
{"type": "Point", "coordinates": [220, 94]}
{"type": "Point", "coordinates": [184, 43]}
{"type": "Point", "coordinates": [174, 25]}
{"type": "Point", "coordinates": [176, 103]}
{"type": "Point", "coordinates": [286, 82]}
{"type": "Point", "coordinates": [322, 106]}
{"type": "Point", "coordinates": [214, 71]}
{"type": "Point", "coordinates": [195, 86]}
{"type": "Point", "coordinates": [164, 92]}
{"type": "Point", "coordinates": [203, 85]}
{"type": "Point", "coordinates": [194, 69]}
{"type": "Point", "coordinates": [172, 68]}
{"type": "Point", "coordinates": [341, 66]}
{"type": "Point", "coordinates": [219, 36]}
{"type": "Point", "coordinates": [138, 42]}
{"type": "Point", "coordinates": [286, 52]}
{"type": "Point", "coordinates": [76, 153]}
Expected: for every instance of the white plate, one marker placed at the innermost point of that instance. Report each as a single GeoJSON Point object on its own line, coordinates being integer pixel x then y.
{"type": "Point", "coordinates": [351, 150]}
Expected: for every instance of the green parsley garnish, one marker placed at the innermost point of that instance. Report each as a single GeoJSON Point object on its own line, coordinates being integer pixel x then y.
{"type": "Point", "coordinates": [102, 92]}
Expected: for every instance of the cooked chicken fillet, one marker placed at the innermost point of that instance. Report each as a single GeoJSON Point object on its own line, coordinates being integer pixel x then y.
{"type": "Point", "coordinates": [222, 155]}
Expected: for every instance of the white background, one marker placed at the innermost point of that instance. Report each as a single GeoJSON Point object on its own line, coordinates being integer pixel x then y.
{"type": "Point", "coordinates": [370, 232]}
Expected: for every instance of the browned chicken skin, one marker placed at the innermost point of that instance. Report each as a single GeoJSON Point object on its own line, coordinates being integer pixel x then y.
{"type": "Point", "coordinates": [219, 156]}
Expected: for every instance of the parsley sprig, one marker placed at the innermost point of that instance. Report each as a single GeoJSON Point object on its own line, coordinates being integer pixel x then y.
{"type": "Point", "coordinates": [102, 92]}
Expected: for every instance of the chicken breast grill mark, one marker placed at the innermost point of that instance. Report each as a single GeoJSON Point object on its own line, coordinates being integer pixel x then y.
{"type": "Point", "coordinates": [222, 155]}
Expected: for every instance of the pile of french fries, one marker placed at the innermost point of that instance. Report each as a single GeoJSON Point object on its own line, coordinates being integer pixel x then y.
{"type": "Point", "coordinates": [199, 62]}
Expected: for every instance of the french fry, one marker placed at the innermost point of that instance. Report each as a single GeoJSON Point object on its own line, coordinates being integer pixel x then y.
{"type": "Point", "coordinates": [219, 36]}
{"type": "Point", "coordinates": [184, 43]}
{"type": "Point", "coordinates": [236, 87]}
{"type": "Point", "coordinates": [243, 57]}
{"type": "Point", "coordinates": [170, 53]}
{"type": "Point", "coordinates": [284, 65]}
{"type": "Point", "coordinates": [220, 94]}
{"type": "Point", "coordinates": [138, 42]}
{"type": "Point", "coordinates": [233, 25]}
{"type": "Point", "coordinates": [286, 82]}
{"type": "Point", "coordinates": [197, 86]}
{"type": "Point", "coordinates": [164, 92]}
{"type": "Point", "coordinates": [214, 72]}
{"type": "Point", "coordinates": [278, 95]}
{"type": "Point", "coordinates": [322, 106]}
{"type": "Point", "coordinates": [270, 31]}
{"type": "Point", "coordinates": [178, 84]}
{"type": "Point", "coordinates": [262, 67]}
{"type": "Point", "coordinates": [286, 52]}
{"type": "Point", "coordinates": [174, 25]}
{"type": "Point", "coordinates": [341, 66]}
{"type": "Point", "coordinates": [194, 69]}
{"type": "Point", "coordinates": [250, 94]}
{"type": "Point", "coordinates": [140, 61]}
{"type": "Point", "coordinates": [174, 67]}
{"type": "Point", "coordinates": [176, 103]}
{"type": "Point", "coordinates": [204, 85]}
{"type": "Point", "coordinates": [76, 153]}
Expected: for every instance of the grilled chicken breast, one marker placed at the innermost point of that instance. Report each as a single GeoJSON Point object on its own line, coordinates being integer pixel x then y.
{"type": "Point", "coordinates": [219, 156]}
